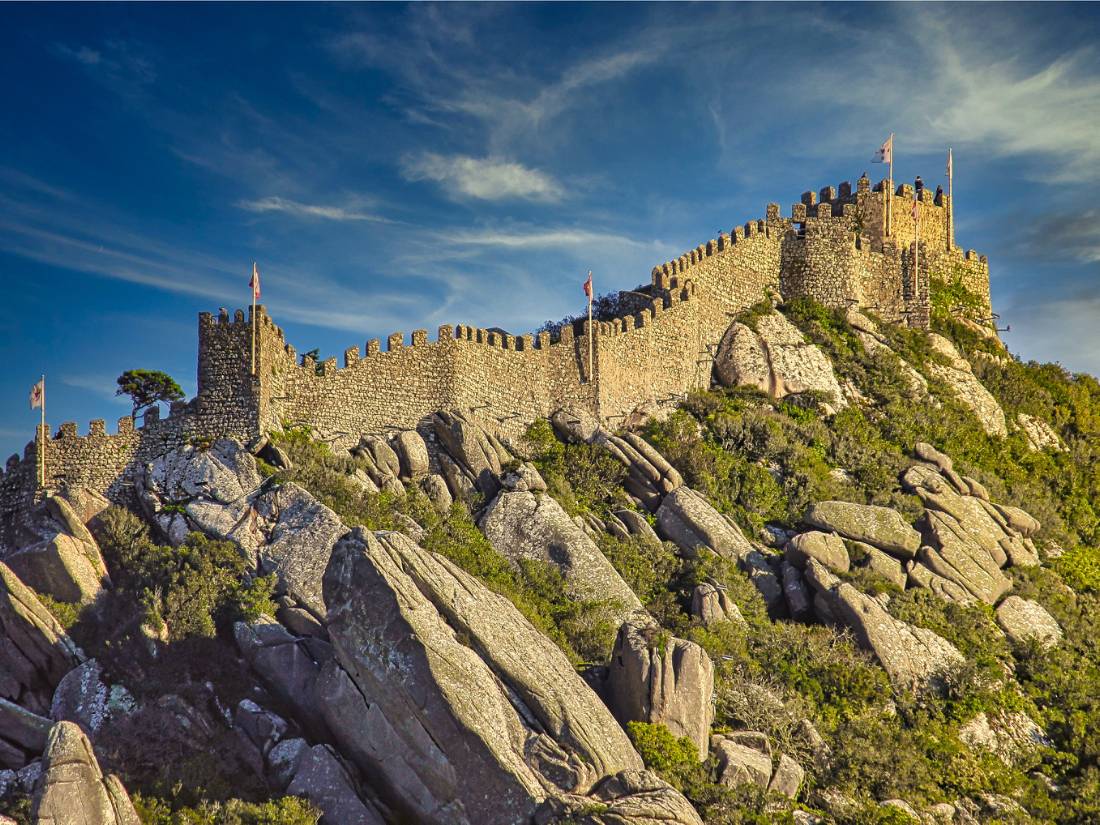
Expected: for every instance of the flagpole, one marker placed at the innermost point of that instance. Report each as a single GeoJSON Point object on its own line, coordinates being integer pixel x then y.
{"type": "Point", "coordinates": [890, 194]}
{"type": "Point", "coordinates": [950, 201]}
{"type": "Point", "coordinates": [42, 436]}
{"type": "Point", "coordinates": [591, 290]}
{"type": "Point", "coordinates": [253, 285]}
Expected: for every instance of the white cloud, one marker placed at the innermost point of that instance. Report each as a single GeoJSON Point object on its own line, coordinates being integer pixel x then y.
{"type": "Point", "coordinates": [275, 203]}
{"type": "Point", "coordinates": [541, 239]}
{"type": "Point", "coordinates": [483, 178]}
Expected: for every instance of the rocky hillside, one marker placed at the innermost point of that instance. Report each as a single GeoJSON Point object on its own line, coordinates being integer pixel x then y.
{"type": "Point", "coordinates": [851, 583]}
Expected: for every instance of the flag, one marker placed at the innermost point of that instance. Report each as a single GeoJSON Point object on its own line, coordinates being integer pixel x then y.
{"type": "Point", "coordinates": [885, 154]}
{"type": "Point", "coordinates": [916, 209]}
{"type": "Point", "coordinates": [950, 165]}
{"type": "Point", "coordinates": [588, 286]}
{"type": "Point", "coordinates": [38, 394]}
{"type": "Point", "coordinates": [255, 282]}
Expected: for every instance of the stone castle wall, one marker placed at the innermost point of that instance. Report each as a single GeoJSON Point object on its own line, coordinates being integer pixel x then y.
{"type": "Point", "coordinates": [833, 247]}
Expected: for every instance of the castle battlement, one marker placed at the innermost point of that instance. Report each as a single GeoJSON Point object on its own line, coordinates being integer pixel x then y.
{"type": "Point", "coordinates": [833, 246]}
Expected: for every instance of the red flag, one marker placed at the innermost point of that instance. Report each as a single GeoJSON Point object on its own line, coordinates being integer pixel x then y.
{"type": "Point", "coordinates": [255, 282]}
{"type": "Point", "coordinates": [38, 392]}
{"type": "Point", "coordinates": [588, 286]}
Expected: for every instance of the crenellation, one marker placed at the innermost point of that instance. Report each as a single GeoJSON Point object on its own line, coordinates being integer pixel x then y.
{"type": "Point", "coordinates": [374, 346]}
{"type": "Point", "coordinates": [827, 194]}
{"type": "Point", "coordinates": [67, 430]}
{"type": "Point", "coordinates": [97, 426]}
{"type": "Point", "coordinates": [351, 356]}
{"type": "Point", "coordinates": [809, 198]}
{"type": "Point", "coordinates": [445, 333]}
{"type": "Point", "coordinates": [845, 190]}
{"type": "Point", "coordinates": [395, 341]}
{"type": "Point", "coordinates": [328, 366]}
{"type": "Point", "coordinates": [798, 212]}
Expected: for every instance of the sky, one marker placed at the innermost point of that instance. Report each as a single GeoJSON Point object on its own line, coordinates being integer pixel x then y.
{"type": "Point", "coordinates": [394, 167]}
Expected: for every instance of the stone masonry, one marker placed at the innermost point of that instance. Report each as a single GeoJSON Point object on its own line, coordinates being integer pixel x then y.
{"type": "Point", "coordinates": [834, 248]}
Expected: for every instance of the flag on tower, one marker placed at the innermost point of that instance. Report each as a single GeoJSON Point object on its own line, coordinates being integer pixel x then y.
{"type": "Point", "coordinates": [950, 165]}
{"type": "Point", "coordinates": [255, 282]}
{"type": "Point", "coordinates": [885, 153]}
{"type": "Point", "coordinates": [588, 286]}
{"type": "Point", "coordinates": [38, 393]}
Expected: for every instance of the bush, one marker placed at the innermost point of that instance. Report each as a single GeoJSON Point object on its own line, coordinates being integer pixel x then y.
{"type": "Point", "coordinates": [288, 810]}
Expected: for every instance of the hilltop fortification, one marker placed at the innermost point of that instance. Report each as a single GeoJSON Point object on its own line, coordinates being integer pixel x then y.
{"type": "Point", "coordinates": [833, 246]}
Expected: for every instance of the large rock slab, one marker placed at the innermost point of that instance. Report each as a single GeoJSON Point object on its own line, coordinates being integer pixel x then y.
{"type": "Point", "coordinates": [827, 548]}
{"type": "Point", "coordinates": [1023, 620]}
{"type": "Point", "coordinates": [59, 557]}
{"type": "Point", "coordinates": [73, 790]}
{"type": "Point", "coordinates": [35, 651]}
{"type": "Point", "coordinates": [191, 488]}
{"type": "Point", "coordinates": [881, 527]}
{"type": "Point", "coordinates": [474, 448]}
{"type": "Point", "coordinates": [919, 575]}
{"type": "Point", "coordinates": [459, 710]}
{"type": "Point", "coordinates": [688, 520]}
{"type": "Point", "coordinates": [962, 560]}
{"type": "Point", "coordinates": [628, 798]}
{"type": "Point", "coordinates": [657, 678]}
{"type": "Point", "coordinates": [649, 475]}
{"type": "Point", "coordinates": [960, 379]}
{"type": "Point", "coordinates": [1039, 434]}
{"type": "Point", "coordinates": [912, 657]}
{"type": "Point", "coordinates": [22, 735]}
{"type": "Point", "coordinates": [744, 758]}
{"type": "Point", "coordinates": [293, 534]}
{"type": "Point", "coordinates": [289, 666]}
{"type": "Point", "coordinates": [323, 780]}
{"type": "Point", "coordinates": [527, 525]}
{"type": "Point", "coordinates": [711, 604]}
{"type": "Point", "coordinates": [776, 358]}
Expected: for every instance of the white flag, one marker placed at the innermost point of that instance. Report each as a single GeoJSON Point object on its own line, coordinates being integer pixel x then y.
{"type": "Point", "coordinates": [950, 165]}
{"type": "Point", "coordinates": [38, 394]}
{"type": "Point", "coordinates": [255, 282]}
{"type": "Point", "coordinates": [885, 154]}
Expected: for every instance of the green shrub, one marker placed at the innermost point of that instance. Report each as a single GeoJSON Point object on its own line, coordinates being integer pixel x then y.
{"type": "Point", "coordinates": [288, 810]}
{"type": "Point", "coordinates": [661, 751]}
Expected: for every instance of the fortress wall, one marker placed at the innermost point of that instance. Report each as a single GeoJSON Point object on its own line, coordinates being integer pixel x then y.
{"type": "Point", "coordinates": [654, 356]}
{"type": "Point", "coordinates": [730, 273]}
{"type": "Point", "coordinates": [375, 391]}
{"type": "Point", "coordinates": [518, 379]}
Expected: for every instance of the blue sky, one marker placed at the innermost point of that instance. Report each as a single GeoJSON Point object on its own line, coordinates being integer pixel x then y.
{"type": "Point", "coordinates": [394, 167]}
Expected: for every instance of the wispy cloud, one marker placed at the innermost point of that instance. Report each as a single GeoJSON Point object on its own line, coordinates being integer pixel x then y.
{"type": "Point", "coordinates": [482, 178]}
{"type": "Point", "coordinates": [275, 203]}
{"type": "Point", "coordinates": [124, 64]}
{"type": "Point", "coordinates": [103, 386]}
{"type": "Point", "coordinates": [542, 239]}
